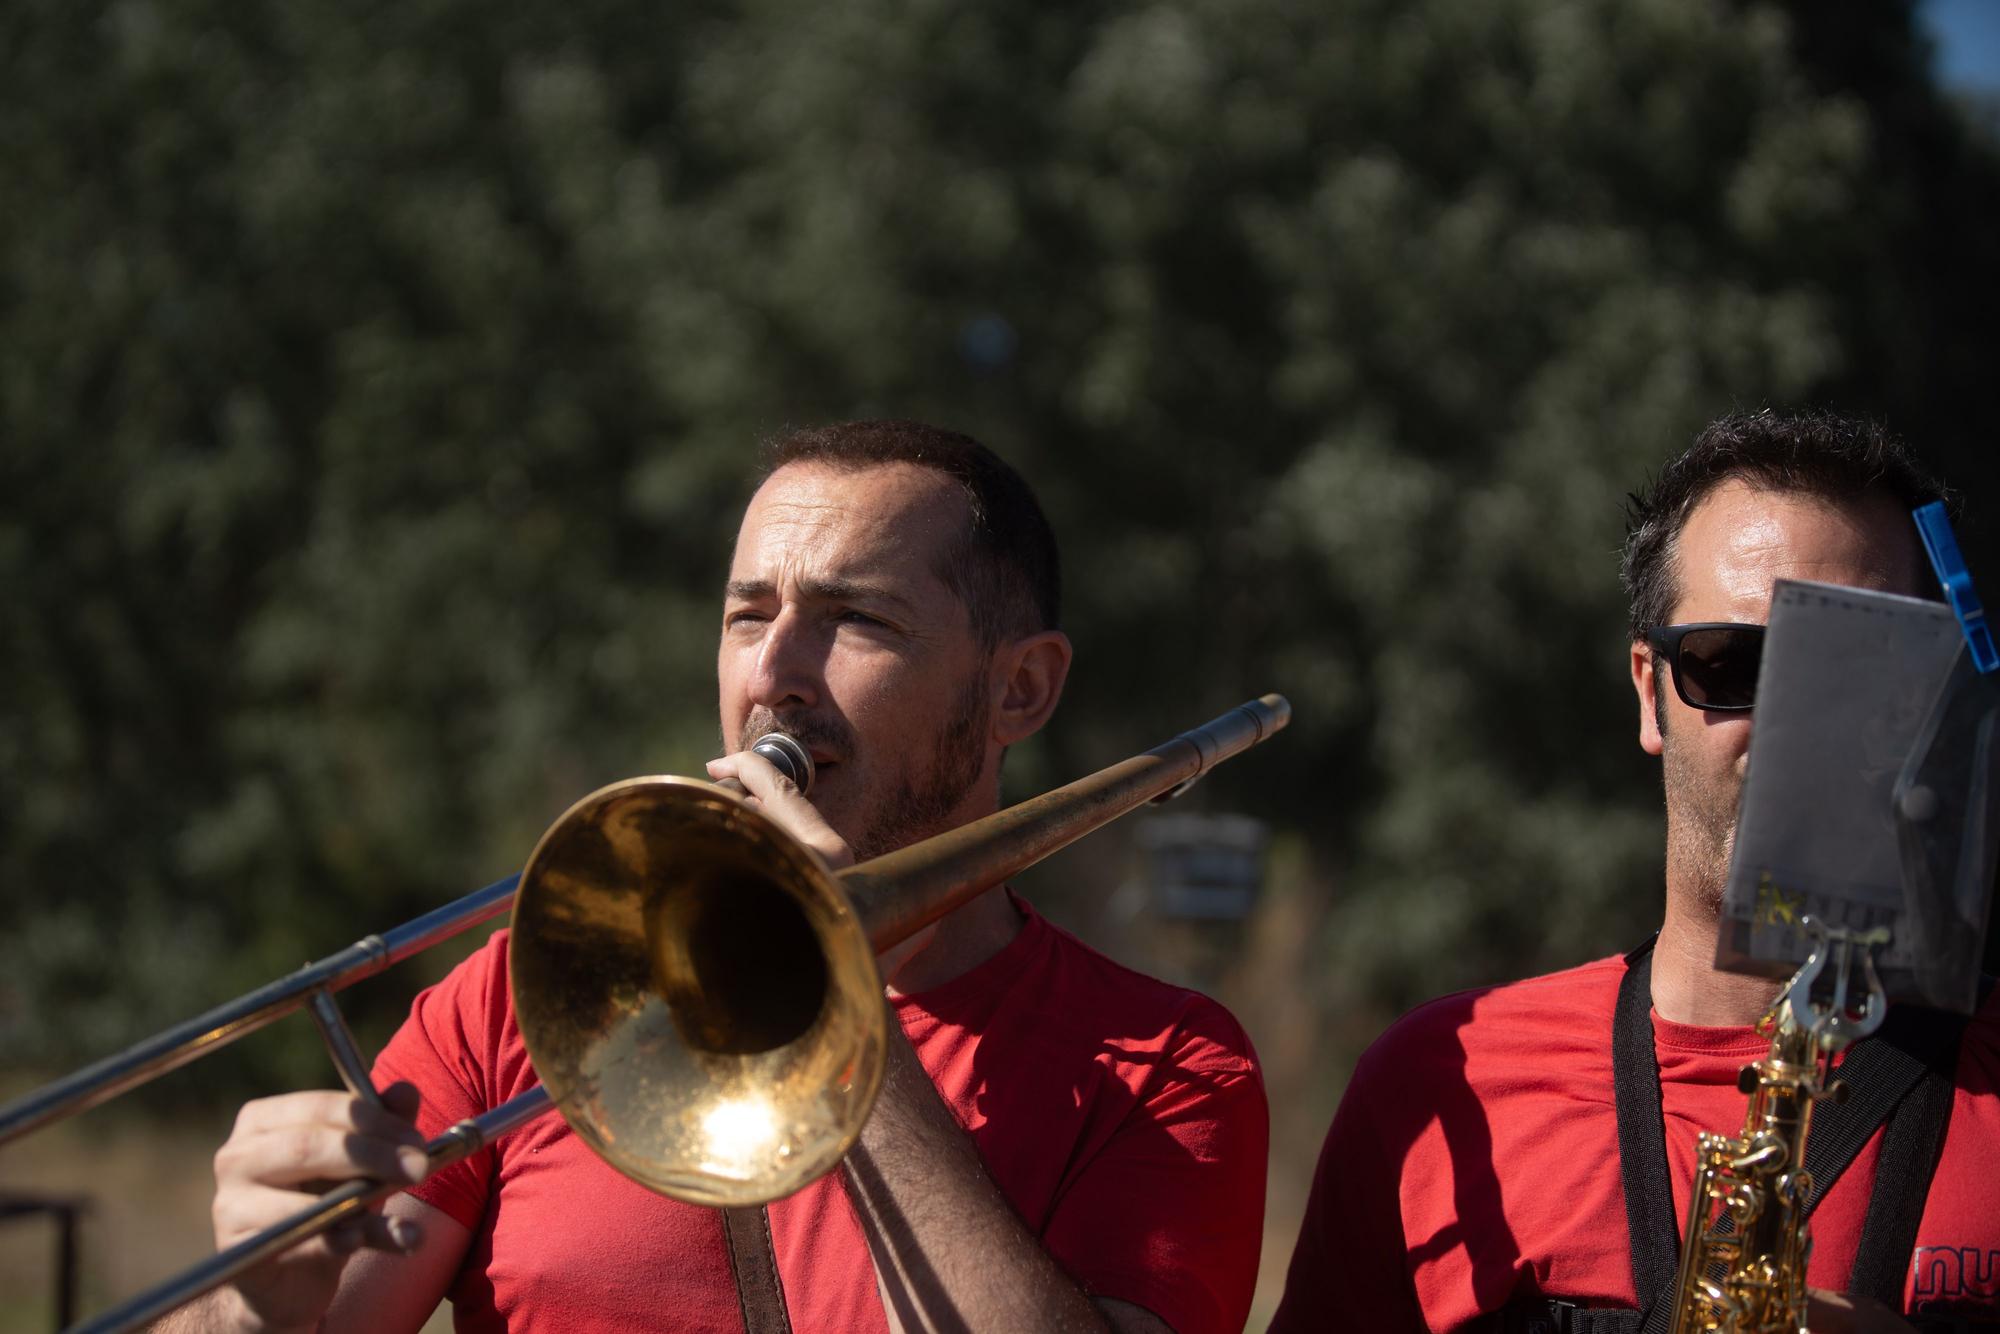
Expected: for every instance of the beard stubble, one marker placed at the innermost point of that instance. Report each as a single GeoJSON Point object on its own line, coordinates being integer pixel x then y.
{"type": "Point", "coordinates": [1701, 825]}
{"type": "Point", "coordinates": [923, 797]}
{"type": "Point", "coordinates": [921, 804]}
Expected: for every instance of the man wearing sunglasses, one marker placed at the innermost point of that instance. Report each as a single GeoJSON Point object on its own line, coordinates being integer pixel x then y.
{"type": "Point", "coordinates": [1496, 1162]}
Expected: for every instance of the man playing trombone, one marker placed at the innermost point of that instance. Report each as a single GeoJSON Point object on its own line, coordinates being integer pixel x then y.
{"type": "Point", "coordinates": [1060, 1143]}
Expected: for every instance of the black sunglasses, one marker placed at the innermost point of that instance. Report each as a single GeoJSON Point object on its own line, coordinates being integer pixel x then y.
{"type": "Point", "coordinates": [1714, 662]}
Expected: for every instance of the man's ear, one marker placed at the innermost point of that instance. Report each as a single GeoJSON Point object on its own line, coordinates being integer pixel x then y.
{"type": "Point", "coordinates": [1028, 683]}
{"type": "Point", "coordinates": [1649, 698]}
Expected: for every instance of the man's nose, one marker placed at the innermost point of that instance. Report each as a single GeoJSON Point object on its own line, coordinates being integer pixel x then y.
{"type": "Point", "coordinates": [790, 663]}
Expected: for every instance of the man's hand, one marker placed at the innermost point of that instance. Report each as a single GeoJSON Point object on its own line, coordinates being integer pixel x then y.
{"type": "Point", "coordinates": [282, 1151]}
{"type": "Point", "coordinates": [780, 798]}
{"type": "Point", "coordinates": [1837, 1313]}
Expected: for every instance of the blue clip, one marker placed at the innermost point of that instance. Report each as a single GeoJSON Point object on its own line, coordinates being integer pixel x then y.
{"type": "Point", "coordinates": [1958, 590]}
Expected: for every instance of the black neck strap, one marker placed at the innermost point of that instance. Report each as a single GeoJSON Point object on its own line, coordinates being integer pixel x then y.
{"type": "Point", "coordinates": [1902, 1076]}
{"type": "Point", "coordinates": [1642, 1134]}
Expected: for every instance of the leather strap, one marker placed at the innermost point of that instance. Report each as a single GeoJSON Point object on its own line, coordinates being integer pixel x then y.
{"type": "Point", "coordinates": [1642, 1134]}
{"type": "Point", "coordinates": [760, 1294]}
{"type": "Point", "coordinates": [1919, 1049]}
{"type": "Point", "coordinates": [1911, 1147]}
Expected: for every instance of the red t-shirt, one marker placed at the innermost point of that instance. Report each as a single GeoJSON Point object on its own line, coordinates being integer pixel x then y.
{"type": "Point", "coordinates": [1474, 1163]}
{"type": "Point", "coordinates": [1124, 1120]}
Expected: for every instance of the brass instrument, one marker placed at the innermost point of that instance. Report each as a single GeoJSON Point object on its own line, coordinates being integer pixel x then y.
{"type": "Point", "coordinates": [697, 992]}
{"type": "Point", "coordinates": [1744, 1251]}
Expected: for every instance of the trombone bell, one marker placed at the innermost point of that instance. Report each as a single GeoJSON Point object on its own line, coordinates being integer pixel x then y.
{"type": "Point", "coordinates": [696, 992]}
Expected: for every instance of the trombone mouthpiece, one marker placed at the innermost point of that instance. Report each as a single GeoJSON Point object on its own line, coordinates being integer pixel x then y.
{"type": "Point", "coordinates": [787, 756]}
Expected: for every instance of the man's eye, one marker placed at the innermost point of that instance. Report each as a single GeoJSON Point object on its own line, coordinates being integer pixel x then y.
{"type": "Point", "coordinates": [853, 617]}
{"type": "Point", "coordinates": [743, 616]}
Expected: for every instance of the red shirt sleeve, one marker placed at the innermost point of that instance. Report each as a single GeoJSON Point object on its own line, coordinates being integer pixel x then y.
{"type": "Point", "coordinates": [1350, 1267]}
{"type": "Point", "coordinates": [450, 1048]}
{"type": "Point", "coordinates": [1169, 1215]}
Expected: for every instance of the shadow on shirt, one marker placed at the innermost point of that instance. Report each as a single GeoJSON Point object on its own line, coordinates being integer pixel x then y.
{"type": "Point", "coordinates": [1128, 1140]}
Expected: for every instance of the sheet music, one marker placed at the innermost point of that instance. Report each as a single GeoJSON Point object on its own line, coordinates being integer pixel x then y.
{"type": "Point", "coordinates": [1848, 680]}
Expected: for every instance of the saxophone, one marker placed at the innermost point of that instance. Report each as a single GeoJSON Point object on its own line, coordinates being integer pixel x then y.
{"type": "Point", "coordinates": [1745, 1247]}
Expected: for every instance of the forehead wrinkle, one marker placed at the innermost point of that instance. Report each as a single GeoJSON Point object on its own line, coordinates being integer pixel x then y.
{"type": "Point", "coordinates": [903, 500]}
{"type": "Point", "coordinates": [869, 564]}
{"type": "Point", "coordinates": [802, 521]}
{"type": "Point", "coordinates": [884, 547]}
{"type": "Point", "coordinates": [879, 535]}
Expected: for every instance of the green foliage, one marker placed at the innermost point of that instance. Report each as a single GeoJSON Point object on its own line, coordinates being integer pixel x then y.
{"type": "Point", "coordinates": [381, 383]}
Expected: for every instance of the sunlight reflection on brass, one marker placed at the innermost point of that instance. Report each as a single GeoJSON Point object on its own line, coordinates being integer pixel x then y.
{"type": "Point", "coordinates": [740, 1134]}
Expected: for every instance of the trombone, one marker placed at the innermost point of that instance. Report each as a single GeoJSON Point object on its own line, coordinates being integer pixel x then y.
{"type": "Point", "coordinates": [697, 992]}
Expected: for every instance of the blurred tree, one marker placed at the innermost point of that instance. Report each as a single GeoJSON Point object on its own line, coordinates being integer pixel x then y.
{"type": "Point", "coordinates": [382, 380]}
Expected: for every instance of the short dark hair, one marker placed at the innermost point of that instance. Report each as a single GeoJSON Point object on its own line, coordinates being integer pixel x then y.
{"type": "Point", "coordinates": [1005, 567]}
{"type": "Point", "coordinates": [1821, 454]}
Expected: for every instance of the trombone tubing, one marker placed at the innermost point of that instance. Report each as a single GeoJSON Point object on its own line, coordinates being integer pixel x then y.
{"type": "Point", "coordinates": [247, 1013]}
{"type": "Point", "coordinates": [899, 893]}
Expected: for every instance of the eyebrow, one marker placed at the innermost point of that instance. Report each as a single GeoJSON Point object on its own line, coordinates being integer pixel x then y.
{"type": "Point", "coordinates": [820, 590]}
